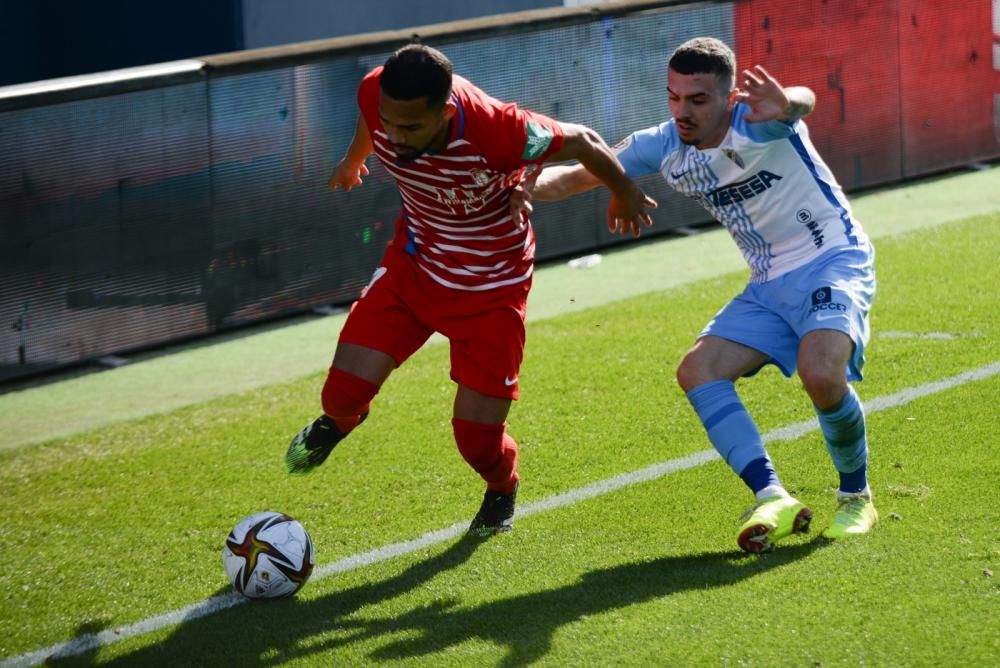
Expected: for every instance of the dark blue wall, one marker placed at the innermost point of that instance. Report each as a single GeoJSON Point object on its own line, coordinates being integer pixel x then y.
{"type": "Point", "coordinates": [269, 23]}
{"type": "Point", "coordinates": [44, 39]}
{"type": "Point", "coordinates": [17, 42]}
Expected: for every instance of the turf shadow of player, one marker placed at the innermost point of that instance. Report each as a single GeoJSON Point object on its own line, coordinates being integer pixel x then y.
{"type": "Point", "coordinates": [277, 632]}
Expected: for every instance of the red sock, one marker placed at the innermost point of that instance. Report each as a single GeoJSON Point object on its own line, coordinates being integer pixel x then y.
{"type": "Point", "coordinates": [346, 397]}
{"type": "Point", "coordinates": [490, 451]}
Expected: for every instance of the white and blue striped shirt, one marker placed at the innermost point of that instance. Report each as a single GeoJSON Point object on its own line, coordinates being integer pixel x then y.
{"type": "Point", "coordinates": [765, 182]}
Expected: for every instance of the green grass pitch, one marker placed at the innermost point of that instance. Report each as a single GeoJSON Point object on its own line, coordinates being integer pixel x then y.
{"type": "Point", "coordinates": [119, 523]}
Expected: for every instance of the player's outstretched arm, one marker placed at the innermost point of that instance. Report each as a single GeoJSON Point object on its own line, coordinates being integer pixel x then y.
{"type": "Point", "coordinates": [770, 101]}
{"type": "Point", "coordinates": [351, 167]}
{"type": "Point", "coordinates": [558, 182]}
{"type": "Point", "coordinates": [549, 184]}
{"type": "Point", "coordinates": [627, 212]}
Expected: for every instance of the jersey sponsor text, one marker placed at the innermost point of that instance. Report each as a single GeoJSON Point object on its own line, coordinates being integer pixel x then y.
{"type": "Point", "coordinates": [743, 190]}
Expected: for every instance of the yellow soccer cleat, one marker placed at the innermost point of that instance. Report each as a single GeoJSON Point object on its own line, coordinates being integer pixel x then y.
{"type": "Point", "coordinates": [770, 520]}
{"type": "Point", "coordinates": [856, 515]}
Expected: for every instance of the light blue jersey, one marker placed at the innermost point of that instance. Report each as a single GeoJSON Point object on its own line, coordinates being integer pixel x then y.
{"type": "Point", "coordinates": [765, 182]}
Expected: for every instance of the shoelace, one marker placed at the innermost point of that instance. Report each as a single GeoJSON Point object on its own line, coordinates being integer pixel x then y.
{"type": "Point", "coordinates": [752, 509]}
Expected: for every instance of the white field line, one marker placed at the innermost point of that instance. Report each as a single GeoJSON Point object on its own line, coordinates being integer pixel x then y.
{"type": "Point", "coordinates": [212, 605]}
{"type": "Point", "coordinates": [939, 336]}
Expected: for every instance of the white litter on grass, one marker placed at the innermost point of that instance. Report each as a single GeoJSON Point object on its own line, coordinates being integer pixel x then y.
{"type": "Point", "coordinates": [93, 641]}
{"type": "Point", "coordinates": [586, 261]}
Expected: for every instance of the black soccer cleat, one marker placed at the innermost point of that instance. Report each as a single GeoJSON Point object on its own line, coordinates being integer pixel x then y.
{"type": "Point", "coordinates": [313, 445]}
{"type": "Point", "coordinates": [496, 514]}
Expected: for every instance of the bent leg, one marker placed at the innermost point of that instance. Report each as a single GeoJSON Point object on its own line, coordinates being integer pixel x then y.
{"type": "Point", "coordinates": [708, 374]}
{"type": "Point", "coordinates": [353, 381]}
{"type": "Point", "coordinates": [486, 353]}
{"type": "Point", "coordinates": [480, 429]}
{"type": "Point", "coordinates": [380, 333]}
{"type": "Point", "coordinates": [713, 358]}
{"type": "Point", "coordinates": [822, 363]}
{"type": "Point", "coordinates": [481, 435]}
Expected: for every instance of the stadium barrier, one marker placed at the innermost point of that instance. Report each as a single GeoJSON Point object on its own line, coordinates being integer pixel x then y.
{"type": "Point", "coordinates": [155, 204]}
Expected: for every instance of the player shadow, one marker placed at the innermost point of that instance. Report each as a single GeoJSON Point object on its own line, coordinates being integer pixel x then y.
{"type": "Point", "coordinates": [242, 634]}
{"type": "Point", "coordinates": [524, 625]}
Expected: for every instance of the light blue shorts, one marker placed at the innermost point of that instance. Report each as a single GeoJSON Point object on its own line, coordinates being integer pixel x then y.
{"type": "Point", "coordinates": [834, 291]}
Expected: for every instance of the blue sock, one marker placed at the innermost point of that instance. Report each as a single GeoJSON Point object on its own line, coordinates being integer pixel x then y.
{"type": "Point", "coordinates": [733, 433]}
{"type": "Point", "coordinates": [844, 429]}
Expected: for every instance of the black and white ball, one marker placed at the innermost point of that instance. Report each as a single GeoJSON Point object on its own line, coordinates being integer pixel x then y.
{"type": "Point", "coordinates": [268, 555]}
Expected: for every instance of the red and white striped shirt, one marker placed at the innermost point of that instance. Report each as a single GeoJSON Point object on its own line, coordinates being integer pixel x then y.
{"type": "Point", "coordinates": [456, 220]}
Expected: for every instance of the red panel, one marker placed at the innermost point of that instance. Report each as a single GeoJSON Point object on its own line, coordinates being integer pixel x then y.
{"type": "Point", "coordinates": [949, 84]}
{"type": "Point", "coordinates": [846, 51]}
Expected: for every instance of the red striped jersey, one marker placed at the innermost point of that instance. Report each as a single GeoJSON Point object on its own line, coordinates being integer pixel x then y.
{"type": "Point", "coordinates": [456, 220]}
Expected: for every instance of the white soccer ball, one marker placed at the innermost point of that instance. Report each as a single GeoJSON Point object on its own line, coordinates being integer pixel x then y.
{"type": "Point", "coordinates": [268, 555]}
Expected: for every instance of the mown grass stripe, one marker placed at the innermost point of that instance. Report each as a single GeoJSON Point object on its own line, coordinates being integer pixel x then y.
{"type": "Point", "coordinates": [221, 602]}
{"type": "Point", "coordinates": [216, 366]}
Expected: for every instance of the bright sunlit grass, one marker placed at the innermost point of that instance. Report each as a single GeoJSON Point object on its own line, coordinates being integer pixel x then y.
{"type": "Point", "coordinates": [122, 523]}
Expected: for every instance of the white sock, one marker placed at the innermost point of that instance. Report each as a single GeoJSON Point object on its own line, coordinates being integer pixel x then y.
{"type": "Point", "coordinates": [772, 490]}
{"type": "Point", "coordinates": [866, 492]}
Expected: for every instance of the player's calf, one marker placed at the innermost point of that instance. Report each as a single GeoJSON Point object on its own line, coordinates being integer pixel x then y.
{"type": "Point", "coordinates": [346, 399]}
{"type": "Point", "coordinates": [492, 453]}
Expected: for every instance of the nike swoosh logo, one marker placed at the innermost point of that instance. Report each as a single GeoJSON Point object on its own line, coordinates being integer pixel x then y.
{"type": "Point", "coordinates": [677, 176]}
{"type": "Point", "coordinates": [826, 317]}
{"type": "Point", "coordinates": [510, 381]}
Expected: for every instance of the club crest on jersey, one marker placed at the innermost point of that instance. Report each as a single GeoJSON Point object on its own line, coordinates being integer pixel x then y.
{"type": "Point", "coordinates": [479, 177]}
{"type": "Point", "coordinates": [622, 145]}
{"type": "Point", "coordinates": [734, 156]}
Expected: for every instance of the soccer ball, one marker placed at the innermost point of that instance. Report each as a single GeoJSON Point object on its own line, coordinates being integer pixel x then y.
{"type": "Point", "coordinates": [268, 555]}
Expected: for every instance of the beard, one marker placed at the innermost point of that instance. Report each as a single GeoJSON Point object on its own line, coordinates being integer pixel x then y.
{"type": "Point", "coordinates": [408, 153]}
{"type": "Point", "coordinates": [690, 138]}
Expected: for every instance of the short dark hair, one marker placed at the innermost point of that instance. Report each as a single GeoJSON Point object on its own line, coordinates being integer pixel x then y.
{"type": "Point", "coordinates": [705, 55]}
{"type": "Point", "coordinates": [417, 71]}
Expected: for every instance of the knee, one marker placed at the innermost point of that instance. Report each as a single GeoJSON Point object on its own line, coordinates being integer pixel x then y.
{"type": "Point", "coordinates": [489, 450]}
{"type": "Point", "coordinates": [480, 444]}
{"type": "Point", "coordinates": [825, 385]}
{"type": "Point", "coordinates": [691, 373]}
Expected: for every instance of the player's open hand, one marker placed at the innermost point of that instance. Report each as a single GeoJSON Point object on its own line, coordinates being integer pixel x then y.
{"type": "Point", "coordinates": [520, 197]}
{"type": "Point", "coordinates": [628, 214]}
{"type": "Point", "coordinates": [346, 175]}
{"type": "Point", "coordinates": [766, 97]}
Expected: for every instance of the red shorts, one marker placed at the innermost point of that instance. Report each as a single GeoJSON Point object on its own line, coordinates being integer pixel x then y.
{"type": "Point", "coordinates": [402, 307]}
